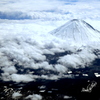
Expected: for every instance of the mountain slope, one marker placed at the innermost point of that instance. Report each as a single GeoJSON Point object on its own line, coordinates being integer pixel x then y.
{"type": "Point", "coordinates": [77, 31]}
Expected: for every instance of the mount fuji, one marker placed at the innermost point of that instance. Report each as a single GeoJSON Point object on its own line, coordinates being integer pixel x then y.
{"type": "Point", "coordinates": [77, 31]}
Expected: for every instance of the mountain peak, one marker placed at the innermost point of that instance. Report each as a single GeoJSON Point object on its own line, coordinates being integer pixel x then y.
{"type": "Point", "coordinates": [77, 31]}
{"type": "Point", "coordinates": [75, 20]}
{"type": "Point", "coordinates": [79, 21]}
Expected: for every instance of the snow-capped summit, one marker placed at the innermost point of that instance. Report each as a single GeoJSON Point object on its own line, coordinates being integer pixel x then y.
{"type": "Point", "coordinates": [77, 31]}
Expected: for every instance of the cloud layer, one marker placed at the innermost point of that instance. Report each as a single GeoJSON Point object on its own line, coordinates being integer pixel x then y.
{"type": "Point", "coordinates": [25, 57]}
{"type": "Point", "coordinates": [28, 52]}
{"type": "Point", "coordinates": [45, 9]}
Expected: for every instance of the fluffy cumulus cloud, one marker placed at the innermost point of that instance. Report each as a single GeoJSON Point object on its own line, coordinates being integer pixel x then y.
{"type": "Point", "coordinates": [16, 95]}
{"type": "Point", "coordinates": [21, 78]}
{"type": "Point", "coordinates": [60, 68]}
{"type": "Point", "coordinates": [9, 70]}
{"type": "Point", "coordinates": [27, 57]}
{"type": "Point", "coordinates": [34, 97]}
{"type": "Point", "coordinates": [83, 58]}
{"type": "Point", "coordinates": [23, 55]}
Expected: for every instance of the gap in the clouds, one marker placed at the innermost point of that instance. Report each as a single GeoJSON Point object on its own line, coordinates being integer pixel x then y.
{"type": "Point", "coordinates": [39, 71]}
{"type": "Point", "coordinates": [52, 59]}
{"type": "Point", "coordinates": [97, 63]}
{"type": "Point", "coordinates": [1, 71]}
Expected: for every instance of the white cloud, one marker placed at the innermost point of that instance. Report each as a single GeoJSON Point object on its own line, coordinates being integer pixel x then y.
{"type": "Point", "coordinates": [30, 5]}
{"type": "Point", "coordinates": [9, 70]}
{"type": "Point", "coordinates": [45, 65]}
{"type": "Point", "coordinates": [16, 95]}
{"type": "Point", "coordinates": [21, 78]}
{"type": "Point", "coordinates": [34, 97]}
{"type": "Point", "coordinates": [61, 68]}
{"type": "Point", "coordinates": [45, 9]}
{"type": "Point", "coordinates": [77, 60]}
